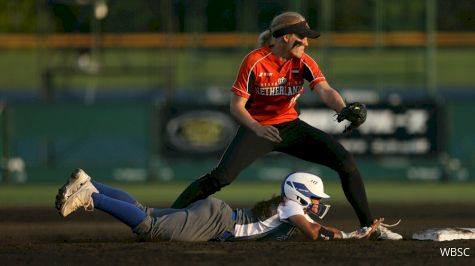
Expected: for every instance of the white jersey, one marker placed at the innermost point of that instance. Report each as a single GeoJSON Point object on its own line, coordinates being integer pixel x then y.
{"type": "Point", "coordinates": [261, 227]}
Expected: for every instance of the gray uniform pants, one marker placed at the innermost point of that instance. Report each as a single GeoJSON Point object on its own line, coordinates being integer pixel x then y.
{"type": "Point", "coordinates": [201, 221]}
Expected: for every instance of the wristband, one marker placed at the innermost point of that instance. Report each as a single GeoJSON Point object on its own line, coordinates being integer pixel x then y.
{"type": "Point", "coordinates": [324, 234]}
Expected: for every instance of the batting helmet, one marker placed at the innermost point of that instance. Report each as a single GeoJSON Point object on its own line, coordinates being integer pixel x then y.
{"type": "Point", "coordinates": [302, 187]}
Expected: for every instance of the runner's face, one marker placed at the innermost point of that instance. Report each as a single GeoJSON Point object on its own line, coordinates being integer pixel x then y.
{"type": "Point", "coordinates": [296, 45]}
{"type": "Point", "coordinates": [315, 203]}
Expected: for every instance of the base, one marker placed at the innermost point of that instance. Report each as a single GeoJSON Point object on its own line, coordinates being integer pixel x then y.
{"type": "Point", "coordinates": [445, 234]}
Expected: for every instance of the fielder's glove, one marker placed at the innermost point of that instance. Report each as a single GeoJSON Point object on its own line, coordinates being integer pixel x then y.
{"type": "Point", "coordinates": [353, 112]}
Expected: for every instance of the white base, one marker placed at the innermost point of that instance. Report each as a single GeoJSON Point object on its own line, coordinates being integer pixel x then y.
{"type": "Point", "coordinates": [445, 234]}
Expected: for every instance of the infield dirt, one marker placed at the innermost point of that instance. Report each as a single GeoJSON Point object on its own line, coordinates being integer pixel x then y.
{"type": "Point", "coordinates": [39, 236]}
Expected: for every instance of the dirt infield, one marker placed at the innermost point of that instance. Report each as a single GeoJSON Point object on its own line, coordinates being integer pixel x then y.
{"type": "Point", "coordinates": [39, 236]}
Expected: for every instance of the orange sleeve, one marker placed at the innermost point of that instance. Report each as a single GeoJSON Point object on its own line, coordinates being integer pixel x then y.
{"type": "Point", "coordinates": [316, 75]}
{"type": "Point", "coordinates": [241, 85]}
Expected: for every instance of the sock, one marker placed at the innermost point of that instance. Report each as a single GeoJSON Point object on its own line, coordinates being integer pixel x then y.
{"type": "Point", "coordinates": [114, 193]}
{"type": "Point", "coordinates": [126, 212]}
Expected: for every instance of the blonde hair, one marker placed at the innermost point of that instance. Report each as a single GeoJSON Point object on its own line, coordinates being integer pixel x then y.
{"type": "Point", "coordinates": [278, 22]}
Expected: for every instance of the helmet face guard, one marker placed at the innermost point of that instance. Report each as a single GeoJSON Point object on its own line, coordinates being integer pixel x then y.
{"type": "Point", "coordinates": [321, 211]}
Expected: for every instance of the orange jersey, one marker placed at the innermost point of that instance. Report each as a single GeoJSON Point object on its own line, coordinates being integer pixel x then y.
{"type": "Point", "coordinates": [272, 86]}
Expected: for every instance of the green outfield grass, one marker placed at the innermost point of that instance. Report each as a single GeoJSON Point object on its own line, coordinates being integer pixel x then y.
{"type": "Point", "coordinates": [248, 193]}
{"type": "Point", "coordinates": [20, 69]}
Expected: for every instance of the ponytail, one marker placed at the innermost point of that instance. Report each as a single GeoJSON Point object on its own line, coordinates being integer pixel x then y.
{"type": "Point", "coordinates": [264, 39]}
{"type": "Point", "coordinates": [267, 208]}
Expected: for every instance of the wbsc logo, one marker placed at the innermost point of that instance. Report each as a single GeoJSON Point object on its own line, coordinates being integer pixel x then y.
{"type": "Point", "coordinates": [455, 252]}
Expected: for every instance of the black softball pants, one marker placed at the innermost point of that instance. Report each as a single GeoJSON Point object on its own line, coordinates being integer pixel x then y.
{"type": "Point", "coordinates": [298, 139]}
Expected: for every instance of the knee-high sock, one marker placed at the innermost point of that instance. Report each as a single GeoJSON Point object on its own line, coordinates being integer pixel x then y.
{"type": "Point", "coordinates": [114, 193]}
{"type": "Point", "coordinates": [126, 212]}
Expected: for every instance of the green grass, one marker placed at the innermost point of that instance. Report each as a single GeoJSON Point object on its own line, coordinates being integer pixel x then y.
{"type": "Point", "coordinates": [248, 193]}
{"type": "Point", "coordinates": [199, 69]}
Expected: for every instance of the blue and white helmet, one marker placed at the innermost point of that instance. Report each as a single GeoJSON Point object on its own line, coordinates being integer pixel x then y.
{"type": "Point", "coordinates": [302, 187]}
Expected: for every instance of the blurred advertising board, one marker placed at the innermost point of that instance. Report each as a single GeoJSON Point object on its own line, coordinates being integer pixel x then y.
{"type": "Point", "coordinates": [195, 130]}
{"type": "Point", "coordinates": [390, 130]}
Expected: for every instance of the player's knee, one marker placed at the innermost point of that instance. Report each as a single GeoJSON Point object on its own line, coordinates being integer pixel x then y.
{"type": "Point", "coordinates": [348, 165]}
{"type": "Point", "coordinates": [144, 228]}
{"type": "Point", "coordinates": [221, 177]}
{"type": "Point", "coordinates": [211, 183]}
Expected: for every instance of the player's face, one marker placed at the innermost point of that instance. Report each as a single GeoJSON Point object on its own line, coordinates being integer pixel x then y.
{"type": "Point", "coordinates": [297, 45]}
{"type": "Point", "coordinates": [315, 203]}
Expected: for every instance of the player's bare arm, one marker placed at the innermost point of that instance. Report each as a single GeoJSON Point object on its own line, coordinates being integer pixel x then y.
{"type": "Point", "coordinates": [314, 231]}
{"type": "Point", "coordinates": [238, 110]}
{"type": "Point", "coordinates": [329, 96]}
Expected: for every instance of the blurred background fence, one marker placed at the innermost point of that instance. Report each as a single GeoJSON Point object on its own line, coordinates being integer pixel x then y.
{"type": "Point", "coordinates": [138, 90]}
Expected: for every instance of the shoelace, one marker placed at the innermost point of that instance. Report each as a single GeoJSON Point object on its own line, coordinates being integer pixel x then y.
{"type": "Point", "coordinates": [391, 225]}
